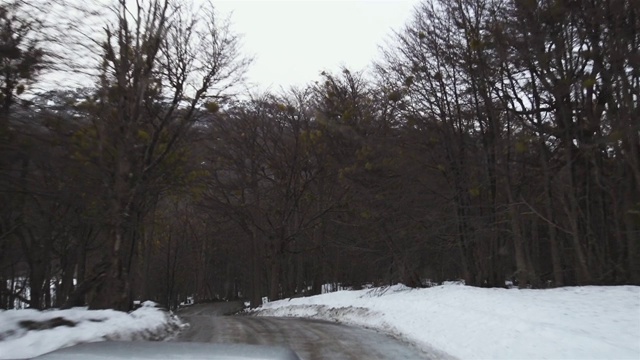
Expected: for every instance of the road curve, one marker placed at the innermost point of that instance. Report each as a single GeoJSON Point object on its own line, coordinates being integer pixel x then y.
{"type": "Point", "coordinates": [310, 339]}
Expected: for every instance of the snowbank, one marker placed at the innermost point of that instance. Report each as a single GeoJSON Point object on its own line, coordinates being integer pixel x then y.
{"type": "Point", "coordinates": [29, 333]}
{"type": "Point", "coordinates": [594, 322]}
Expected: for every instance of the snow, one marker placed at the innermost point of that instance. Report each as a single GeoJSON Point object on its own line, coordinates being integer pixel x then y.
{"type": "Point", "coordinates": [29, 333]}
{"type": "Point", "coordinates": [593, 322]}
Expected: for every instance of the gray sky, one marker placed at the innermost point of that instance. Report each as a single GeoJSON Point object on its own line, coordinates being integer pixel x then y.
{"type": "Point", "coordinates": [293, 41]}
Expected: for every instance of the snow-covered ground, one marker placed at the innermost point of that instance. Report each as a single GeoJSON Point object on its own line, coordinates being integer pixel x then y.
{"type": "Point", "coordinates": [29, 333]}
{"type": "Point", "coordinates": [593, 322]}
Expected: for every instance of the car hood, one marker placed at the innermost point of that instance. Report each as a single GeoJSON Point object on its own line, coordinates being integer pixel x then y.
{"type": "Point", "coordinates": [115, 350]}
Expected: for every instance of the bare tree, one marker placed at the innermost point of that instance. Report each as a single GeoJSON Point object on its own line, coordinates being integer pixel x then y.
{"type": "Point", "coordinates": [161, 65]}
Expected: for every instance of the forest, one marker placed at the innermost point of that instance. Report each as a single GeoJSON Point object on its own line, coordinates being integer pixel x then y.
{"type": "Point", "coordinates": [496, 140]}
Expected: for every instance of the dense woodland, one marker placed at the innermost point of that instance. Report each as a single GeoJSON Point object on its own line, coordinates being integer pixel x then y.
{"type": "Point", "coordinates": [497, 140]}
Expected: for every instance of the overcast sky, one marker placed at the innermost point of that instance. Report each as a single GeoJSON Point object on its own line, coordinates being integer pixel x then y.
{"type": "Point", "coordinates": [293, 41]}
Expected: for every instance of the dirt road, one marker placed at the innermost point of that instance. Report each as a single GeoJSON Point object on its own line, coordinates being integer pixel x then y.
{"type": "Point", "coordinates": [310, 339]}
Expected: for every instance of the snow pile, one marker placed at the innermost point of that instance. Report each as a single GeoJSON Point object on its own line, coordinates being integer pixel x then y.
{"type": "Point", "coordinates": [29, 333]}
{"type": "Point", "coordinates": [594, 322]}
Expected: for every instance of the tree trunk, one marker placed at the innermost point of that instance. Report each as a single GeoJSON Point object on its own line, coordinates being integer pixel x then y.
{"type": "Point", "coordinates": [256, 288]}
{"type": "Point", "coordinates": [522, 273]}
{"type": "Point", "coordinates": [631, 221]}
{"type": "Point", "coordinates": [556, 262]}
{"type": "Point", "coordinates": [112, 291]}
{"type": "Point", "coordinates": [582, 269]}
{"type": "Point", "coordinates": [274, 288]}
{"type": "Point", "coordinates": [463, 246]}
{"type": "Point", "coordinates": [36, 282]}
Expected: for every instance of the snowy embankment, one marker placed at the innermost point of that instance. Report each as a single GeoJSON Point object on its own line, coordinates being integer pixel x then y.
{"type": "Point", "coordinates": [593, 322]}
{"type": "Point", "coordinates": [29, 333]}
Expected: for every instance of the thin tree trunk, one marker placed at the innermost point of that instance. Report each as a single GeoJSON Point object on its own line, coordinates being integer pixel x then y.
{"type": "Point", "coordinates": [522, 272]}
{"type": "Point", "coordinates": [556, 262]}
{"type": "Point", "coordinates": [256, 288]}
{"type": "Point", "coordinates": [582, 267]}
